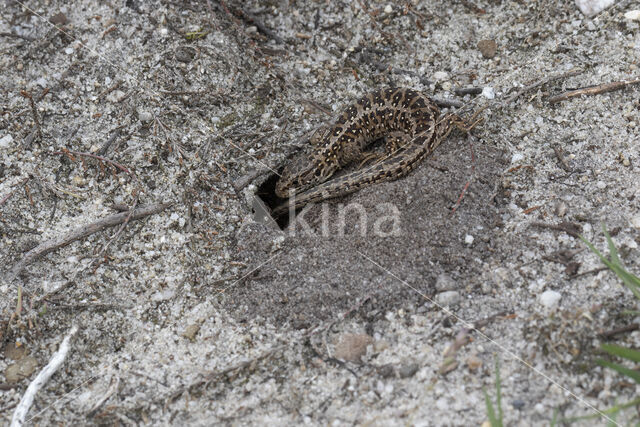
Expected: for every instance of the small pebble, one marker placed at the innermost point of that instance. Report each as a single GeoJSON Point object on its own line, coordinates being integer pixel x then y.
{"type": "Point", "coordinates": [601, 185]}
{"type": "Point", "coordinates": [517, 157]}
{"type": "Point", "coordinates": [5, 141]}
{"type": "Point", "coordinates": [442, 404]}
{"type": "Point", "coordinates": [635, 222]}
{"type": "Point", "coordinates": [633, 15]}
{"type": "Point", "coordinates": [488, 92]}
{"type": "Point", "coordinates": [550, 299]}
{"type": "Point", "coordinates": [468, 239]}
{"type": "Point", "coordinates": [560, 208]}
{"type": "Point", "coordinates": [440, 76]}
{"type": "Point", "coordinates": [518, 404]}
{"type": "Point", "coordinates": [408, 371]}
{"type": "Point", "coordinates": [388, 9]}
{"type": "Point", "coordinates": [448, 298]}
{"type": "Point", "coordinates": [145, 116]}
{"type": "Point", "coordinates": [593, 7]}
{"type": "Point", "coordinates": [445, 283]}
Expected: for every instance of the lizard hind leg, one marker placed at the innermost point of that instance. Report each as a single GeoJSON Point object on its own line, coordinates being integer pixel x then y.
{"type": "Point", "coordinates": [393, 143]}
{"type": "Point", "coordinates": [467, 125]}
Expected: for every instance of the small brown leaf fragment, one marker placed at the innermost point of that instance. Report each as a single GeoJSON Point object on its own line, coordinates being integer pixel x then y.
{"type": "Point", "coordinates": [58, 19]}
{"type": "Point", "coordinates": [21, 369]}
{"type": "Point", "coordinates": [15, 352]}
{"type": "Point", "coordinates": [488, 48]}
{"type": "Point", "coordinates": [474, 362]}
{"type": "Point", "coordinates": [352, 347]}
{"type": "Point", "coordinates": [572, 268]}
{"type": "Point", "coordinates": [449, 364]}
{"type": "Point", "coordinates": [191, 331]}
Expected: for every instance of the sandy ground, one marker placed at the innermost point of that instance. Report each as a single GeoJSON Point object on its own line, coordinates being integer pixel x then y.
{"type": "Point", "coordinates": [201, 314]}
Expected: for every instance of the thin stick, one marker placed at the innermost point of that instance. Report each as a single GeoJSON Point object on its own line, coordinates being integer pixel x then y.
{"type": "Point", "coordinates": [82, 232]}
{"type": "Point", "coordinates": [623, 329]}
{"type": "Point", "coordinates": [569, 228]}
{"type": "Point", "coordinates": [117, 165]}
{"type": "Point", "coordinates": [593, 90]}
{"type": "Point", "coordinates": [34, 111]}
{"type": "Point", "coordinates": [570, 73]}
{"type": "Point", "coordinates": [54, 364]}
{"type": "Point", "coordinates": [97, 157]}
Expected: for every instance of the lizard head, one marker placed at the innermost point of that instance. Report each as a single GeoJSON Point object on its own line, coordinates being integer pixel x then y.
{"type": "Point", "coordinates": [307, 169]}
{"type": "Point", "coordinates": [302, 173]}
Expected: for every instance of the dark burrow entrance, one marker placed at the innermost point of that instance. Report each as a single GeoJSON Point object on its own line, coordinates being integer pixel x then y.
{"type": "Point", "coordinates": [266, 194]}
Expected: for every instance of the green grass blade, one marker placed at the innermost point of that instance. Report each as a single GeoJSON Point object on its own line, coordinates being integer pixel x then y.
{"type": "Point", "coordinates": [499, 392]}
{"type": "Point", "coordinates": [608, 412]}
{"type": "Point", "coordinates": [613, 253]}
{"type": "Point", "coordinates": [624, 352]}
{"type": "Point", "coordinates": [631, 281]}
{"type": "Point", "coordinates": [634, 375]}
{"type": "Point", "coordinates": [491, 413]}
{"type": "Point", "coordinates": [612, 422]}
{"type": "Point", "coordinates": [554, 419]}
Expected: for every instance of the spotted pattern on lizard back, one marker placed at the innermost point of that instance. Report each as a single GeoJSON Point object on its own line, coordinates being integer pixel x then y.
{"type": "Point", "coordinates": [411, 119]}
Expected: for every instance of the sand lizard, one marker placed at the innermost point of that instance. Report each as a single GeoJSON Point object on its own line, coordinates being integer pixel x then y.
{"type": "Point", "coordinates": [411, 121]}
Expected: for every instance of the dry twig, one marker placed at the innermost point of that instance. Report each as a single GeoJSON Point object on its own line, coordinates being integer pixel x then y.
{"type": "Point", "coordinates": [82, 232]}
{"type": "Point", "coordinates": [545, 80]}
{"type": "Point", "coordinates": [34, 111]}
{"type": "Point", "coordinates": [54, 364]}
{"type": "Point", "coordinates": [593, 90]}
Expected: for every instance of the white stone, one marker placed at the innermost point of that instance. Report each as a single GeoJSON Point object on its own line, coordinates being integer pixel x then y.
{"type": "Point", "coordinates": [633, 15]}
{"type": "Point", "coordinates": [550, 299]}
{"type": "Point", "coordinates": [448, 298]}
{"type": "Point", "coordinates": [517, 157]}
{"type": "Point", "coordinates": [442, 404]}
{"type": "Point", "coordinates": [388, 9]}
{"type": "Point", "coordinates": [445, 283]}
{"type": "Point", "coordinates": [593, 7]}
{"type": "Point", "coordinates": [145, 116]}
{"type": "Point", "coordinates": [69, 50]}
{"type": "Point", "coordinates": [5, 141]}
{"type": "Point", "coordinates": [601, 185]}
{"type": "Point", "coordinates": [440, 75]}
{"type": "Point", "coordinates": [635, 222]}
{"type": "Point", "coordinates": [488, 92]}
{"type": "Point", "coordinates": [468, 239]}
